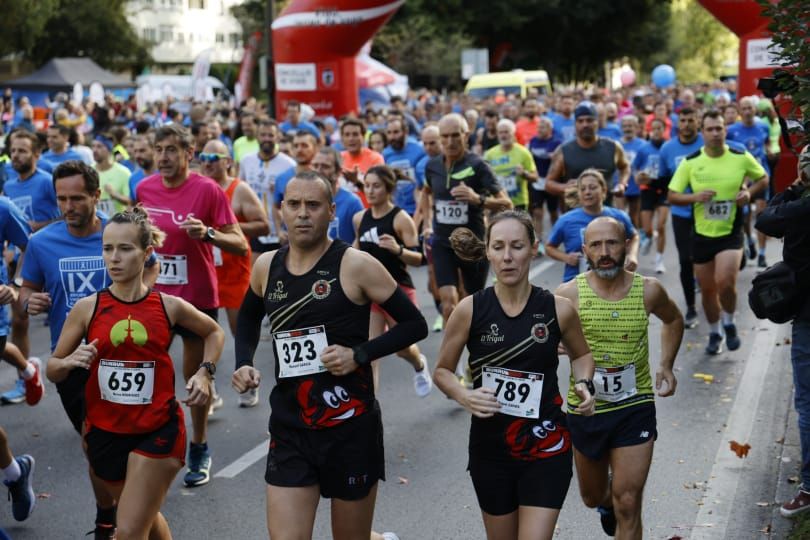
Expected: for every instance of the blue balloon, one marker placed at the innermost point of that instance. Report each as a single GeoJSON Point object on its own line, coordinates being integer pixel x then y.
{"type": "Point", "coordinates": [663, 76]}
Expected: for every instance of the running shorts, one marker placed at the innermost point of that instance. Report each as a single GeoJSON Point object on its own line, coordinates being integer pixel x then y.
{"type": "Point", "coordinates": [594, 436]}
{"type": "Point", "coordinates": [705, 248]}
{"type": "Point", "coordinates": [446, 266]}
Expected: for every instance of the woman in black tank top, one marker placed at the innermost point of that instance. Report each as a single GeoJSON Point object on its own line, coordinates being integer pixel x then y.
{"type": "Point", "coordinates": [389, 234]}
{"type": "Point", "coordinates": [520, 457]}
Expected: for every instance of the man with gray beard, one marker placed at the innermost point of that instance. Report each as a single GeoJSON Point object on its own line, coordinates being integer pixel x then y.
{"type": "Point", "coordinates": [614, 307]}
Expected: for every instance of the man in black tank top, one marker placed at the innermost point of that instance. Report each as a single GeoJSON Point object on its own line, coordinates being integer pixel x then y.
{"type": "Point", "coordinates": [586, 151]}
{"type": "Point", "coordinates": [325, 425]}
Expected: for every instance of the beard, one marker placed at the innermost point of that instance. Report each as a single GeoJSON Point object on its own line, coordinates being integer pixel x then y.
{"type": "Point", "coordinates": [607, 273]}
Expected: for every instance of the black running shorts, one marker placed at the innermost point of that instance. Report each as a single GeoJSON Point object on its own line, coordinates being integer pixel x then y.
{"type": "Point", "coordinates": [596, 435]}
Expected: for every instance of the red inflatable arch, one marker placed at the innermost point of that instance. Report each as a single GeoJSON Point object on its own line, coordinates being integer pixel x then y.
{"type": "Point", "coordinates": [315, 43]}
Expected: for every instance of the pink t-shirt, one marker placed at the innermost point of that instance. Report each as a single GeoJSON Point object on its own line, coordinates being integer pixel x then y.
{"type": "Point", "coordinates": [186, 265]}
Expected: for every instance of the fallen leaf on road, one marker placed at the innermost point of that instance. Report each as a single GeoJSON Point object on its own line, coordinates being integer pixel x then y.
{"type": "Point", "coordinates": [780, 440]}
{"type": "Point", "coordinates": [766, 529]}
{"type": "Point", "coordinates": [787, 341]}
{"type": "Point", "coordinates": [793, 479]}
{"type": "Point", "coordinates": [763, 504]}
{"type": "Point", "coordinates": [740, 449]}
{"type": "Point", "coordinates": [402, 480]}
{"type": "Point", "coordinates": [43, 495]}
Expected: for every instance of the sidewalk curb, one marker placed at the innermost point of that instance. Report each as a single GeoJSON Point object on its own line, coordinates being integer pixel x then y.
{"type": "Point", "coordinates": [790, 462]}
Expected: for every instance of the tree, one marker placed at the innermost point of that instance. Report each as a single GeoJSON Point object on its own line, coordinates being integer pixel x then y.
{"type": "Point", "coordinates": [22, 23]}
{"type": "Point", "coordinates": [790, 20]}
{"type": "Point", "coordinates": [97, 29]}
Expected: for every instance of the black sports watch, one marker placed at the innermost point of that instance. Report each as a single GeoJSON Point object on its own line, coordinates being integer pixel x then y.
{"type": "Point", "coordinates": [210, 367]}
{"type": "Point", "coordinates": [209, 234]}
{"type": "Point", "coordinates": [589, 385]}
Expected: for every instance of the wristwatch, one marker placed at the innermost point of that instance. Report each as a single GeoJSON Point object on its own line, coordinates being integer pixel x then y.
{"type": "Point", "coordinates": [210, 367]}
{"type": "Point", "coordinates": [209, 234]}
{"type": "Point", "coordinates": [589, 385]}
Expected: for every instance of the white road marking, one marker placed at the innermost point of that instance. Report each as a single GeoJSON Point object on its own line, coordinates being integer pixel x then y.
{"type": "Point", "coordinates": [712, 518]}
{"type": "Point", "coordinates": [244, 461]}
{"type": "Point", "coordinates": [539, 269]}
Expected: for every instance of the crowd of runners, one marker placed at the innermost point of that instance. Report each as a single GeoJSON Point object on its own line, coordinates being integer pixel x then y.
{"type": "Point", "coordinates": [126, 228]}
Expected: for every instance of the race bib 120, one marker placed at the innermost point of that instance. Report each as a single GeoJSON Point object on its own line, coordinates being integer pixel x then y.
{"type": "Point", "coordinates": [452, 212]}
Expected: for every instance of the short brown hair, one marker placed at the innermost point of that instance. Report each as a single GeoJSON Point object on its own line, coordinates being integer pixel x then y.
{"type": "Point", "coordinates": [174, 130]}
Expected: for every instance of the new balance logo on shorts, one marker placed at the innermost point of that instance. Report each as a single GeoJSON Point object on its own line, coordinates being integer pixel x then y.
{"type": "Point", "coordinates": [645, 435]}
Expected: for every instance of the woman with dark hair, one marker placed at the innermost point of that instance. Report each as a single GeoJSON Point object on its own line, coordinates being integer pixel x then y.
{"type": "Point", "coordinates": [520, 457]}
{"type": "Point", "coordinates": [377, 141]}
{"type": "Point", "coordinates": [389, 234]}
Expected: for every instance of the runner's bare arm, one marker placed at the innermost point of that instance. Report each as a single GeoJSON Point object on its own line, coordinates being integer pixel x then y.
{"type": "Point", "coordinates": [356, 219]}
{"type": "Point", "coordinates": [658, 302]}
{"type": "Point", "coordinates": [761, 184]}
{"type": "Point", "coordinates": [555, 172]}
{"type": "Point", "coordinates": [622, 166]}
{"type": "Point", "coordinates": [406, 230]}
{"type": "Point", "coordinates": [250, 207]}
{"type": "Point", "coordinates": [426, 207]}
{"type": "Point", "coordinates": [230, 238]}
{"type": "Point", "coordinates": [69, 352]}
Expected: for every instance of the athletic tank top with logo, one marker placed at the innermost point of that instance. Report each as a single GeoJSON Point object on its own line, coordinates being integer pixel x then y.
{"type": "Point", "coordinates": [307, 313]}
{"type": "Point", "coordinates": [369, 233]}
{"type": "Point", "coordinates": [131, 384]}
{"type": "Point", "coordinates": [517, 358]}
{"type": "Point", "coordinates": [616, 332]}
{"type": "Point", "coordinates": [602, 157]}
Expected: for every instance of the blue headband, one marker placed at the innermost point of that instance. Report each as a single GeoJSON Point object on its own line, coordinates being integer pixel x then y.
{"type": "Point", "coordinates": [105, 141]}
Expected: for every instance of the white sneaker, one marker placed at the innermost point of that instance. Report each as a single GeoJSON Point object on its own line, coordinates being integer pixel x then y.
{"type": "Point", "coordinates": [660, 268]}
{"type": "Point", "coordinates": [250, 398]}
{"type": "Point", "coordinates": [390, 536]}
{"type": "Point", "coordinates": [216, 400]}
{"type": "Point", "coordinates": [422, 381]}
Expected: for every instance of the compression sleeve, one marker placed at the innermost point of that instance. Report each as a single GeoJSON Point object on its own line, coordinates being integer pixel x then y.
{"type": "Point", "coordinates": [410, 328]}
{"type": "Point", "coordinates": [248, 328]}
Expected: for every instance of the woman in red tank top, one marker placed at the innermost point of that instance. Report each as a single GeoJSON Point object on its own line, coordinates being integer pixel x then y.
{"type": "Point", "coordinates": [134, 429]}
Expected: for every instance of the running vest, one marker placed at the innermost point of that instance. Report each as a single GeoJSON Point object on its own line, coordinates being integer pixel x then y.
{"type": "Point", "coordinates": [369, 233]}
{"type": "Point", "coordinates": [602, 157]}
{"type": "Point", "coordinates": [232, 270]}
{"type": "Point", "coordinates": [307, 313]}
{"type": "Point", "coordinates": [517, 358]}
{"type": "Point", "coordinates": [616, 332]}
{"type": "Point", "coordinates": [488, 142]}
{"type": "Point", "coordinates": [131, 384]}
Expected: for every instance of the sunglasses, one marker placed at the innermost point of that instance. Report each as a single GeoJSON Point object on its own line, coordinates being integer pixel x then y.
{"type": "Point", "coordinates": [211, 158]}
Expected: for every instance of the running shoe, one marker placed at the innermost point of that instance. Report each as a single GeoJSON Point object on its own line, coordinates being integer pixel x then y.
{"type": "Point", "coordinates": [422, 381]}
{"type": "Point", "coordinates": [732, 339]}
{"type": "Point", "coordinates": [798, 504]}
{"type": "Point", "coordinates": [691, 319]}
{"type": "Point", "coordinates": [752, 249]}
{"type": "Point", "coordinates": [216, 400]}
{"type": "Point", "coordinates": [34, 390]}
{"type": "Point", "coordinates": [390, 536]}
{"type": "Point", "coordinates": [438, 324]}
{"type": "Point", "coordinates": [761, 262]}
{"type": "Point", "coordinates": [199, 465]}
{"type": "Point", "coordinates": [15, 395]}
{"type": "Point", "coordinates": [646, 244]}
{"type": "Point", "coordinates": [250, 398]}
{"type": "Point", "coordinates": [608, 518]}
{"type": "Point", "coordinates": [660, 268]}
{"type": "Point", "coordinates": [21, 491]}
{"type": "Point", "coordinates": [103, 532]}
{"type": "Point", "coordinates": [715, 345]}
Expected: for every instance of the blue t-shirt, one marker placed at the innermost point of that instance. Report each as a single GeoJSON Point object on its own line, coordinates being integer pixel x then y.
{"type": "Point", "coordinates": [541, 150]}
{"type": "Point", "coordinates": [631, 148]}
{"type": "Point", "coordinates": [281, 184]}
{"type": "Point", "coordinates": [570, 231]}
{"type": "Point", "coordinates": [347, 204]}
{"type": "Point", "coordinates": [563, 127]}
{"type": "Point", "coordinates": [15, 230]}
{"type": "Point", "coordinates": [611, 131]}
{"type": "Point", "coordinates": [648, 158]}
{"type": "Point", "coordinates": [406, 160]}
{"type": "Point", "coordinates": [753, 138]}
{"type": "Point", "coordinates": [672, 153]}
{"type": "Point", "coordinates": [67, 267]}
{"type": "Point", "coordinates": [34, 196]}
{"type": "Point", "coordinates": [288, 129]}
{"type": "Point", "coordinates": [55, 159]}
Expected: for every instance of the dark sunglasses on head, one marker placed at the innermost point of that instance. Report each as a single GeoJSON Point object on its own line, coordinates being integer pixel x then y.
{"type": "Point", "coordinates": [211, 158]}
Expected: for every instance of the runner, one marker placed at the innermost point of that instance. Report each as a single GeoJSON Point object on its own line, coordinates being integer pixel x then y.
{"type": "Point", "coordinates": [389, 234]}
{"type": "Point", "coordinates": [673, 152]}
{"type": "Point", "coordinates": [113, 176]}
{"type": "Point", "coordinates": [459, 186]}
{"type": "Point", "coordinates": [404, 154]}
{"type": "Point", "coordinates": [246, 144]}
{"type": "Point", "coordinates": [63, 264]}
{"type": "Point", "coordinates": [144, 156]}
{"type": "Point", "coordinates": [513, 164]}
{"type": "Point", "coordinates": [542, 146]}
{"type": "Point", "coordinates": [487, 136]}
{"type": "Point", "coordinates": [587, 151]}
{"type": "Point", "coordinates": [196, 216]}
{"type": "Point", "coordinates": [520, 448]}
{"type": "Point", "coordinates": [564, 118]}
{"type": "Point", "coordinates": [325, 426]}
{"type": "Point", "coordinates": [328, 163]}
{"type": "Point", "coordinates": [294, 124]}
{"type": "Point", "coordinates": [134, 429]}
{"type": "Point", "coordinates": [614, 305]}
{"type": "Point", "coordinates": [631, 144]}
{"type": "Point", "coordinates": [357, 158]}
{"type": "Point", "coordinates": [716, 176]}
{"type": "Point", "coordinates": [526, 126]}
{"type": "Point", "coordinates": [304, 149]}
{"type": "Point", "coordinates": [647, 171]}
{"type": "Point", "coordinates": [18, 476]}
{"type": "Point", "coordinates": [59, 150]}
{"type": "Point", "coordinates": [260, 171]}
{"type": "Point", "coordinates": [569, 231]}
{"type": "Point", "coordinates": [31, 190]}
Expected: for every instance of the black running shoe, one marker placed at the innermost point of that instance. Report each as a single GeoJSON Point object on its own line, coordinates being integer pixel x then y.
{"type": "Point", "coordinates": [608, 518]}
{"type": "Point", "coordinates": [715, 345]}
{"type": "Point", "coordinates": [103, 532]}
{"type": "Point", "coordinates": [752, 249]}
{"type": "Point", "coordinates": [732, 339]}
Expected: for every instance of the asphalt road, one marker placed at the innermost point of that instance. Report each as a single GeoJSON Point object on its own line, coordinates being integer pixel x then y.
{"type": "Point", "coordinates": [693, 489]}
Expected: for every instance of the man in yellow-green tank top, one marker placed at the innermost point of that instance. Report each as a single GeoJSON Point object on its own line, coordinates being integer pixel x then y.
{"type": "Point", "coordinates": [614, 307]}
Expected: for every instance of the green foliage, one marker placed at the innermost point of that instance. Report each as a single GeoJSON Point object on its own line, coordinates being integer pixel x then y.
{"type": "Point", "coordinates": [790, 20]}
{"type": "Point", "coordinates": [700, 47]}
{"type": "Point", "coordinates": [22, 23]}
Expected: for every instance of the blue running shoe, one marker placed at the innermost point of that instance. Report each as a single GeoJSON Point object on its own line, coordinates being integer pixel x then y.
{"type": "Point", "coordinates": [199, 465]}
{"type": "Point", "coordinates": [15, 395]}
{"type": "Point", "coordinates": [21, 491]}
